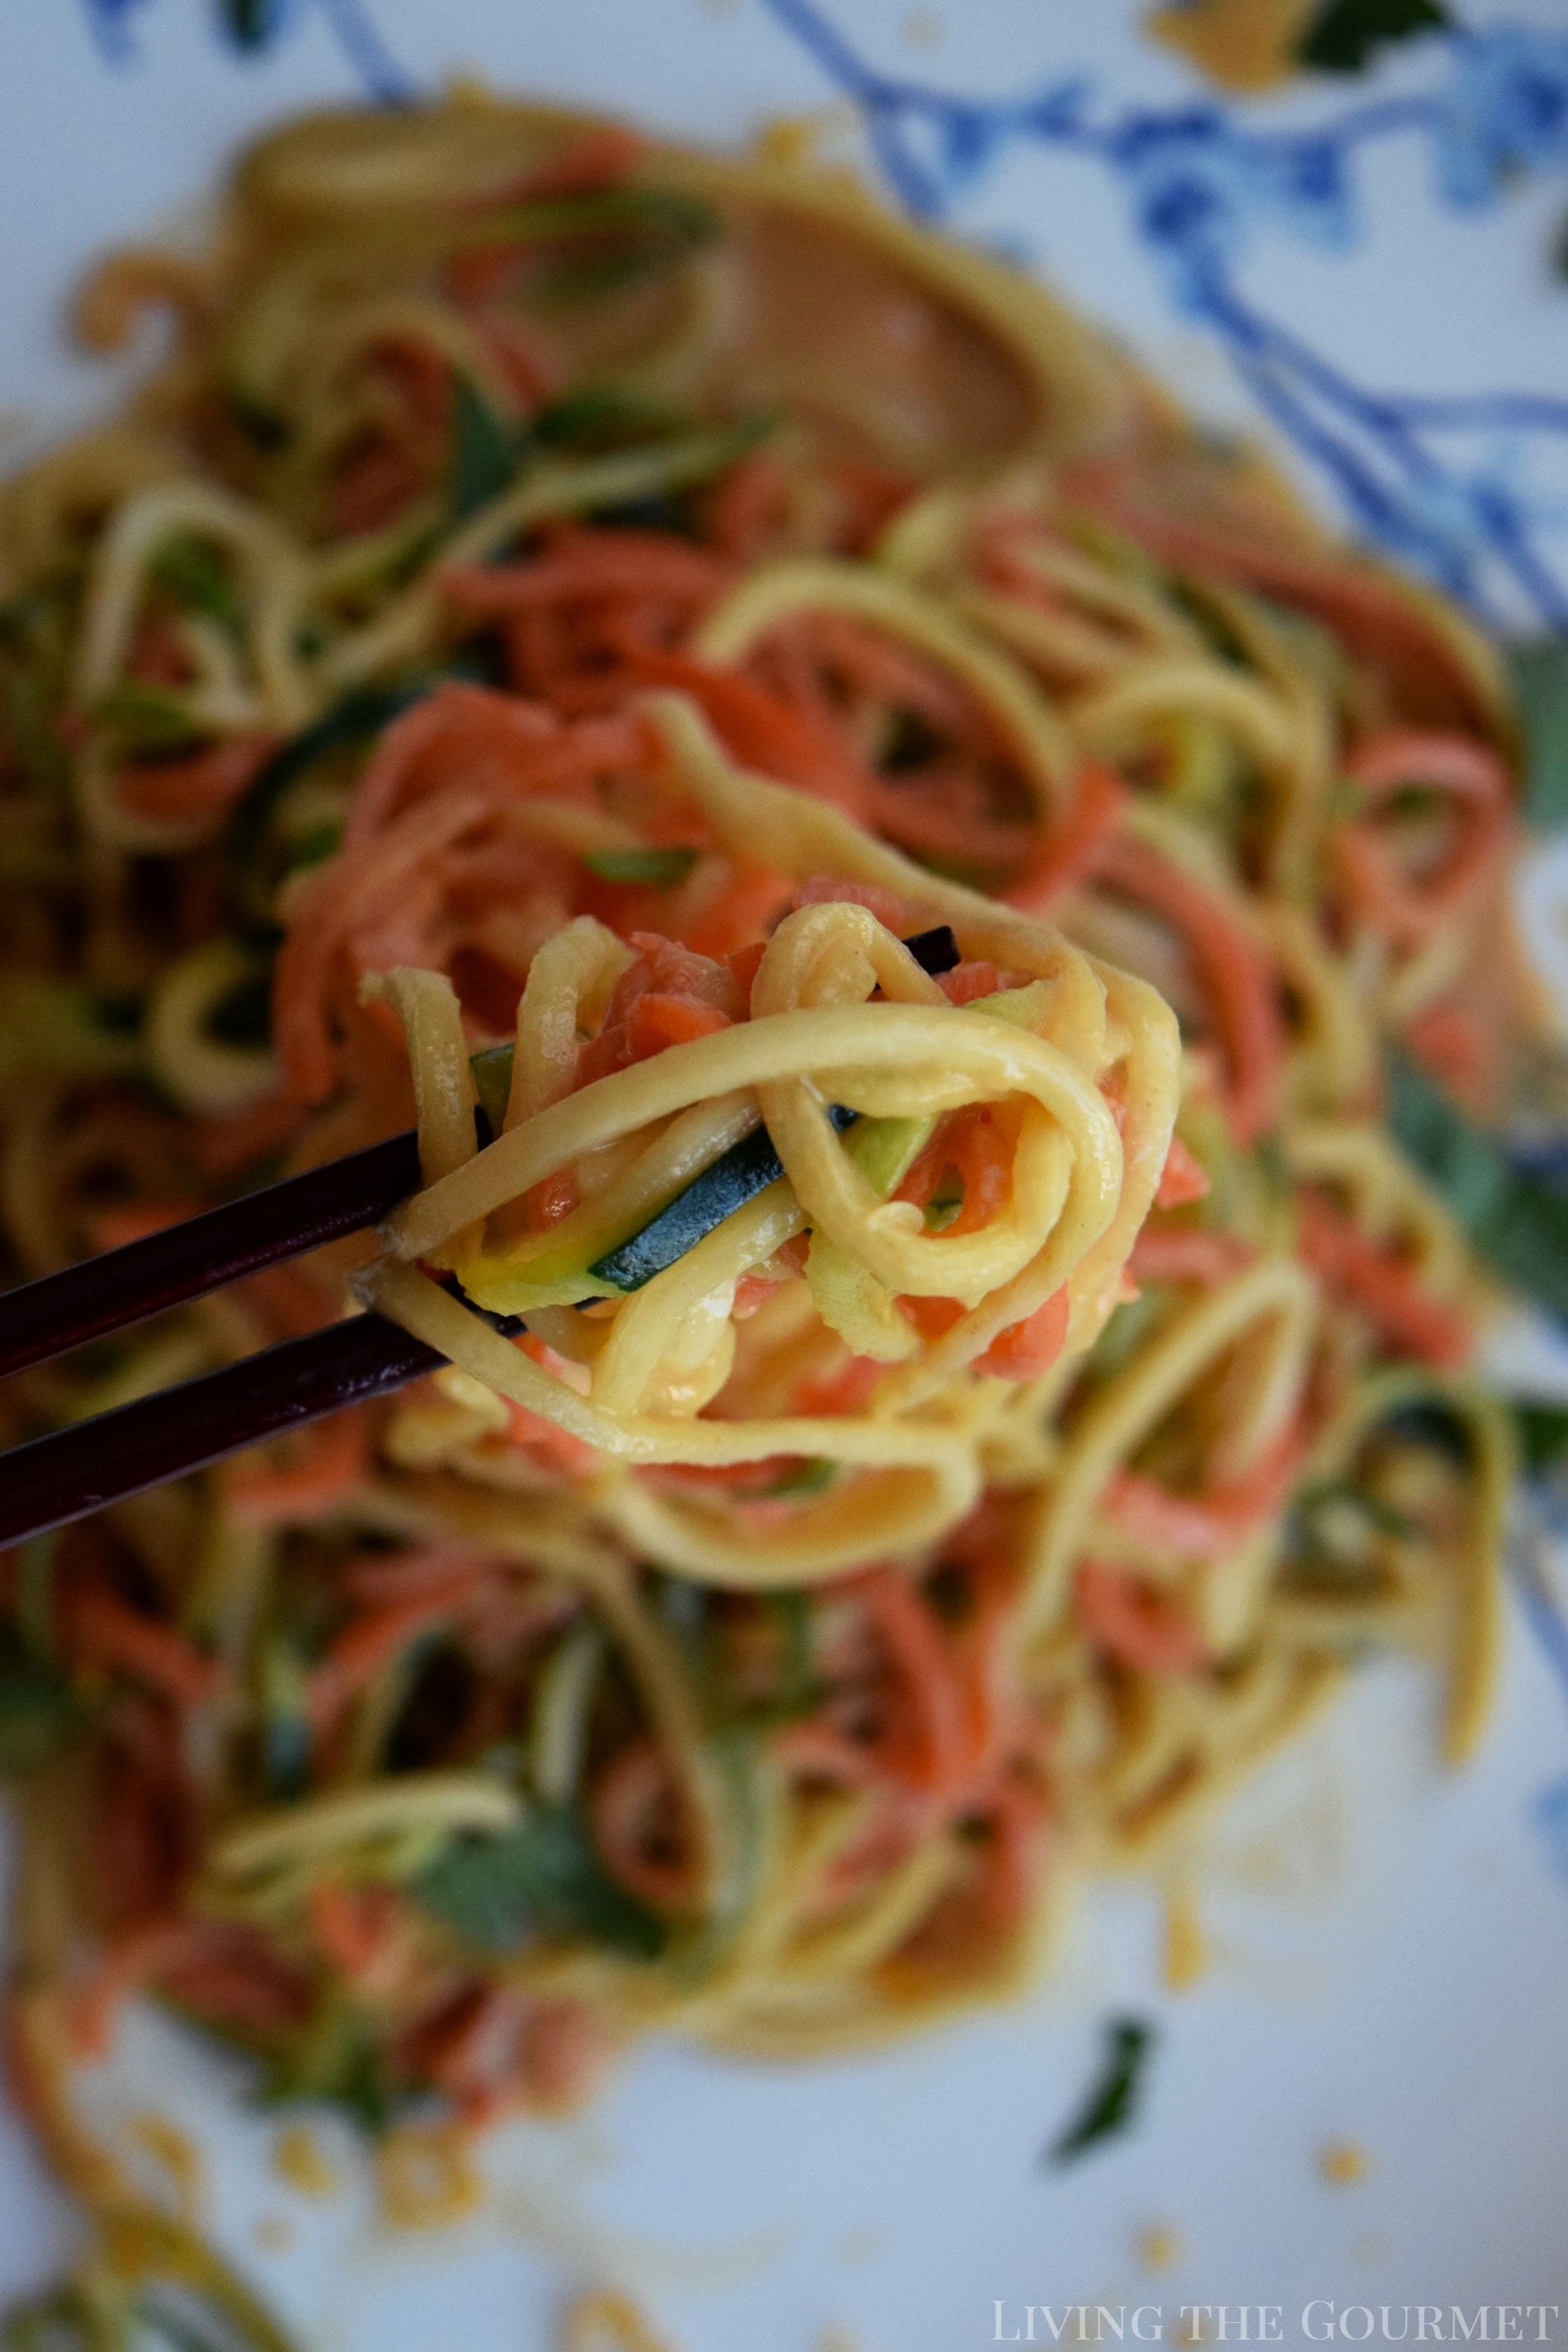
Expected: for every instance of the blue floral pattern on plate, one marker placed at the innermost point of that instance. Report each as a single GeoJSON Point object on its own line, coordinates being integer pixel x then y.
{"type": "Point", "coordinates": [1441, 483]}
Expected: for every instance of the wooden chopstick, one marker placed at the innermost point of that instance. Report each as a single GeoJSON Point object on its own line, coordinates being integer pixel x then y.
{"type": "Point", "coordinates": [75, 1471]}
{"type": "Point", "coordinates": [105, 1294]}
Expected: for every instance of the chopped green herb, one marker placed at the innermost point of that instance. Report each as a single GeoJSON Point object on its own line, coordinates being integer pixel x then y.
{"type": "Point", "coordinates": [195, 575]}
{"type": "Point", "coordinates": [64, 1027]}
{"type": "Point", "coordinates": [791, 1612]}
{"type": "Point", "coordinates": [38, 1709]}
{"type": "Point", "coordinates": [803, 1477]}
{"type": "Point", "coordinates": [541, 1877]}
{"type": "Point", "coordinates": [622, 236]}
{"type": "Point", "coordinates": [659, 867]}
{"type": "Point", "coordinates": [1111, 2105]}
{"type": "Point", "coordinates": [339, 2058]}
{"type": "Point", "coordinates": [33, 1601]}
{"type": "Point", "coordinates": [315, 845]}
{"type": "Point", "coordinates": [1414, 801]}
{"type": "Point", "coordinates": [486, 458]}
{"type": "Point", "coordinates": [589, 276]}
{"type": "Point", "coordinates": [1543, 1434]}
{"type": "Point", "coordinates": [667, 511]}
{"type": "Point", "coordinates": [1344, 36]}
{"type": "Point", "coordinates": [1517, 1223]}
{"type": "Point", "coordinates": [34, 674]}
{"type": "Point", "coordinates": [146, 720]}
{"type": "Point", "coordinates": [597, 419]}
{"type": "Point", "coordinates": [1540, 690]}
{"type": "Point", "coordinates": [491, 1067]}
{"type": "Point", "coordinates": [600, 213]}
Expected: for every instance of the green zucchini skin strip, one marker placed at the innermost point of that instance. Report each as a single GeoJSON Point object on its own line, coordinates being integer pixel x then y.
{"type": "Point", "coordinates": [745, 1169]}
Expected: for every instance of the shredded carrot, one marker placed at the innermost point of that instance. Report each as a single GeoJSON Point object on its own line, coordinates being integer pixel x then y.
{"type": "Point", "coordinates": [632, 566]}
{"type": "Point", "coordinates": [1234, 969]}
{"type": "Point", "coordinates": [1456, 1043]}
{"type": "Point", "coordinates": [1381, 1286]}
{"type": "Point", "coordinates": [764, 730]}
{"type": "Point", "coordinates": [742, 963]}
{"type": "Point", "coordinates": [233, 1978]}
{"type": "Point", "coordinates": [419, 846]}
{"type": "Point", "coordinates": [823, 890]}
{"type": "Point", "coordinates": [1134, 1624]}
{"type": "Point", "coordinates": [1026, 1350]}
{"type": "Point", "coordinates": [1182, 1179]}
{"type": "Point", "coordinates": [750, 1293]}
{"type": "Point", "coordinates": [636, 1808]}
{"type": "Point", "coordinates": [658, 1021]}
{"type": "Point", "coordinates": [1407, 909]}
{"type": "Point", "coordinates": [157, 656]}
{"type": "Point", "coordinates": [375, 483]}
{"type": "Point", "coordinates": [846, 1390]}
{"type": "Point", "coordinates": [132, 1220]}
{"type": "Point", "coordinates": [1374, 615]}
{"type": "Point", "coordinates": [976, 1145]}
{"type": "Point", "coordinates": [1015, 1819]}
{"type": "Point", "coordinates": [201, 785]}
{"type": "Point", "coordinates": [442, 735]}
{"type": "Point", "coordinates": [128, 1960]}
{"type": "Point", "coordinates": [1187, 1254]}
{"type": "Point", "coordinates": [1206, 1524]}
{"type": "Point", "coordinates": [748, 506]}
{"type": "Point", "coordinates": [732, 924]}
{"type": "Point", "coordinates": [687, 996]}
{"type": "Point", "coordinates": [926, 1741]}
{"type": "Point", "coordinates": [371, 1642]}
{"type": "Point", "coordinates": [868, 496]}
{"type": "Point", "coordinates": [967, 983]}
{"type": "Point", "coordinates": [933, 1318]}
{"type": "Point", "coordinates": [1070, 850]}
{"type": "Point", "coordinates": [325, 1462]}
{"type": "Point", "coordinates": [553, 1198]}
{"type": "Point", "coordinates": [351, 1923]}
{"type": "Point", "coordinates": [557, 1447]}
{"type": "Point", "coordinates": [99, 1629]}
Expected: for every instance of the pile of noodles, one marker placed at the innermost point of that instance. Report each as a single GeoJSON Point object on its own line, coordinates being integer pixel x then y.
{"type": "Point", "coordinates": [563, 592]}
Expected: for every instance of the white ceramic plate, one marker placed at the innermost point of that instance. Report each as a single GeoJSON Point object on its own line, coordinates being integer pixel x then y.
{"type": "Point", "coordinates": [1365, 263]}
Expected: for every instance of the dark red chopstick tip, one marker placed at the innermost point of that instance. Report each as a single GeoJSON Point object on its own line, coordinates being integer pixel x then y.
{"type": "Point", "coordinates": [74, 1472]}
{"type": "Point", "coordinates": [105, 1294]}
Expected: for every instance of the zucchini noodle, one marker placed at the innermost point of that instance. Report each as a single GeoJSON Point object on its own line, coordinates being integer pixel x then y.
{"type": "Point", "coordinates": [568, 634]}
